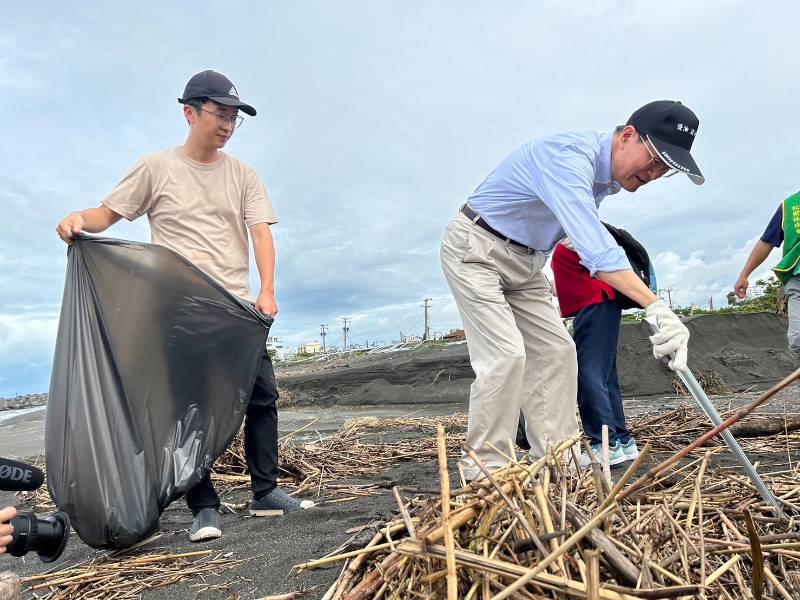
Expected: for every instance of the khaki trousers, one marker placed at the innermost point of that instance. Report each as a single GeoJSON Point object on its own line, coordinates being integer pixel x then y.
{"type": "Point", "coordinates": [521, 353]}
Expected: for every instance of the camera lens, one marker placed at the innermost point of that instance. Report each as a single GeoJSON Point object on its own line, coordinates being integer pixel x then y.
{"type": "Point", "coordinates": [47, 537]}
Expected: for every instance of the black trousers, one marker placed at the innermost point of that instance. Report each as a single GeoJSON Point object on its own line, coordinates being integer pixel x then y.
{"type": "Point", "coordinates": [596, 333]}
{"type": "Point", "coordinates": [260, 443]}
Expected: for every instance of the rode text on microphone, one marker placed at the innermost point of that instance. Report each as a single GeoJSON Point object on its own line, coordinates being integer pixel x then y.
{"type": "Point", "coordinates": [19, 477]}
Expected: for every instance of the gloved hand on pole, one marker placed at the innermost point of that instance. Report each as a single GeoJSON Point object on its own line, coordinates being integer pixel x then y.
{"type": "Point", "coordinates": [672, 337]}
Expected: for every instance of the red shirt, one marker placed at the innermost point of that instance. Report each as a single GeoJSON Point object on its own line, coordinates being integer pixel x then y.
{"type": "Point", "coordinates": [576, 289]}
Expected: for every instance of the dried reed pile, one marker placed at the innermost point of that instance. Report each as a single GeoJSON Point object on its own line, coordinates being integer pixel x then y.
{"type": "Point", "coordinates": [128, 577]}
{"type": "Point", "coordinates": [548, 529]}
{"type": "Point", "coordinates": [318, 466]}
{"type": "Point", "coordinates": [454, 422]}
{"type": "Point", "coordinates": [37, 500]}
{"type": "Point", "coordinates": [711, 382]}
{"type": "Point", "coordinates": [671, 430]}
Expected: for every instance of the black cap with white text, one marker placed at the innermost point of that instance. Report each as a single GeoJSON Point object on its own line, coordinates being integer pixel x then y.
{"type": "Point", "coordinates": [216, 87]}
{"type": "Point", "coordinates": [671, 128]}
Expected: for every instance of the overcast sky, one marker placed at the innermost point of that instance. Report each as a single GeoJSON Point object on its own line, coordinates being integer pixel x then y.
{"type": "Point", "coordinates": [375, 121]}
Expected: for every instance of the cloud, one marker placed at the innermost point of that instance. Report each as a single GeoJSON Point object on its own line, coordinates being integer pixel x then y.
{"type": "Point", "coordinates": [699, 276]}
{"type": "Point", "coordinates": [26, 342]}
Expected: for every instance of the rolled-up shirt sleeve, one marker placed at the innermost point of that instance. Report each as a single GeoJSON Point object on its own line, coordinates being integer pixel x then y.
{"type": "Point", "coordinates": [564, 185]}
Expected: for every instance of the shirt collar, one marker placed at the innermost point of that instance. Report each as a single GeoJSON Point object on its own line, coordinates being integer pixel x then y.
{"type": "Point", "coordinates": [602, 173]}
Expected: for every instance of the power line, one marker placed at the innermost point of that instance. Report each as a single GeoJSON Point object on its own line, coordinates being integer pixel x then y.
{"type": "Point", "coordinates": [412, 328]}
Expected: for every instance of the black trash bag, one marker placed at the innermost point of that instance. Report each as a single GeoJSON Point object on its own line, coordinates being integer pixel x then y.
{"type": "Point", "coordinates": [153, 370]}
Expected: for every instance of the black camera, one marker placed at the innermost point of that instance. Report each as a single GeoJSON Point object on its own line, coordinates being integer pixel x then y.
{"type": "Point", "coordinates": [46, 536]}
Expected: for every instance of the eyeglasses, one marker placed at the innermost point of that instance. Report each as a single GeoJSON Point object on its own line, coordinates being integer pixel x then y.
{"type": "Point", "coordinates": [658, 165]}
{"type": "Point", "coordinates": [225, 120]}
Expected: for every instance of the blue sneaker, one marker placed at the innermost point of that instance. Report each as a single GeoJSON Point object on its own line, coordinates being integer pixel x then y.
{"type": "Point", "coordinates": [630, 450]}
{"type": "Point", "coordinates": [277, 503]}
{"type": "Point", "coordinates": [616, 455]}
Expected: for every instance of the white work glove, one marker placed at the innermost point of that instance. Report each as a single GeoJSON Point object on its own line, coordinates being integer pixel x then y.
{"type": "Point", "coordinates": [672, 337]}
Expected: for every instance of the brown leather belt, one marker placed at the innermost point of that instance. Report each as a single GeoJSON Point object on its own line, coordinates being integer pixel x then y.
{"type": "Point", "coordinates": [471, 215]}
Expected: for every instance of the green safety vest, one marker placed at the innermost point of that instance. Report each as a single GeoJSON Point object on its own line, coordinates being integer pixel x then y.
{"type": "Point", "coordinates": [790, 263]}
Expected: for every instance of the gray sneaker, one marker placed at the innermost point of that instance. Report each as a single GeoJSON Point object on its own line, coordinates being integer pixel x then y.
{"type": "Point", "coordinates": [205, 526]}
{"type": "Point", "coordinates": [277, 503]}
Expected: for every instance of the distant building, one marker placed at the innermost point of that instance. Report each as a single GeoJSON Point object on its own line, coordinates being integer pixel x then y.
{"type": "Point", "coordinates": [455, 335]}
{"type": "Point", "coordinates": [310, 348]}
{"type": "Point", "coordinates": [276, 344]}
{"type": "Point", "coordinates": [410, 339]}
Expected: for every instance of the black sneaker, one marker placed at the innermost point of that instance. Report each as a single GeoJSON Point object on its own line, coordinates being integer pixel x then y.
{"type": "Point", "coordinates": [277, 503]}
{"type": "Point", "coordinates": [205, 526]}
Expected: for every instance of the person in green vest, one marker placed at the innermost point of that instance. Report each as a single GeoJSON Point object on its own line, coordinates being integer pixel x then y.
{"type": "Point", "coordinates": [783, 229]}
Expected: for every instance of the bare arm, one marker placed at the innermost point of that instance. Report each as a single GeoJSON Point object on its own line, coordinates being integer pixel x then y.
{"type": "Point", "coordinates": [91, 220]}
{"type": "Point", "coordinates": [628, 283]}
{"type": "Point", "coordinates": [264, 251]}
{"type": "Point", "coordinates": [758, 255]}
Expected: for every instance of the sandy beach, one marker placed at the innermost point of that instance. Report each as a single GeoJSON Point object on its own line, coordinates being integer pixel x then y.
{"type": "Point", "coordinates": [325, 396]}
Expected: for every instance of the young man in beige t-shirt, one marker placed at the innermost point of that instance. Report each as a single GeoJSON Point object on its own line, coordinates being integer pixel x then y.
{"type": "Point", "coordinates": [201, 203]}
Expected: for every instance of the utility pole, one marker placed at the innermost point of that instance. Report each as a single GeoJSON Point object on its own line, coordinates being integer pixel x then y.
{"type": "Point", "coordinates": [427, 333]}
{"type": "Point", "coordinates": [346, 330]}
{"type": "Point", "coordinates": [669, 295]}
{"type": "Point", "coordinates": [323, 331]}
{"type": "Point", "coordinates": [711, 302]}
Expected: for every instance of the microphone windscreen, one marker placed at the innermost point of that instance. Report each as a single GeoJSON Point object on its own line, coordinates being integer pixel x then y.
{"type": "Point", "coordinates": [19, 477]}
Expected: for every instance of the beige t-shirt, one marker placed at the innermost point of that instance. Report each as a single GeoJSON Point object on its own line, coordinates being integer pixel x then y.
{"type": "Point", "coordinates": [200, 211]}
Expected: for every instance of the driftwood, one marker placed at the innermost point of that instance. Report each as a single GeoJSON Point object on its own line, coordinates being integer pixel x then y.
{"type": "Point", "coordinates": [766, 426]}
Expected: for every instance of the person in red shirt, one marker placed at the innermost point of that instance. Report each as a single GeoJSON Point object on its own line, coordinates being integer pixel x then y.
{"type": "Point", "coordinates": [597, 314]}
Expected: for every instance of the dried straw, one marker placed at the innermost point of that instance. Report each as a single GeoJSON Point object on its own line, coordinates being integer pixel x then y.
{"type": "Point", "coordinates": [693, 528]}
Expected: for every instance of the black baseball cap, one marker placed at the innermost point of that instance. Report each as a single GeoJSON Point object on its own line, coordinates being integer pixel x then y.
{"type": "Point", "coordinates": [215, 86]}
{"type": "Point", "coordinates": [670, 127]}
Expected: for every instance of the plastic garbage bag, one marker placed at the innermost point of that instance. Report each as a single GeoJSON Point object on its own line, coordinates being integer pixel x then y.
{"type": "Point", "coordinates": [153, 369]}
